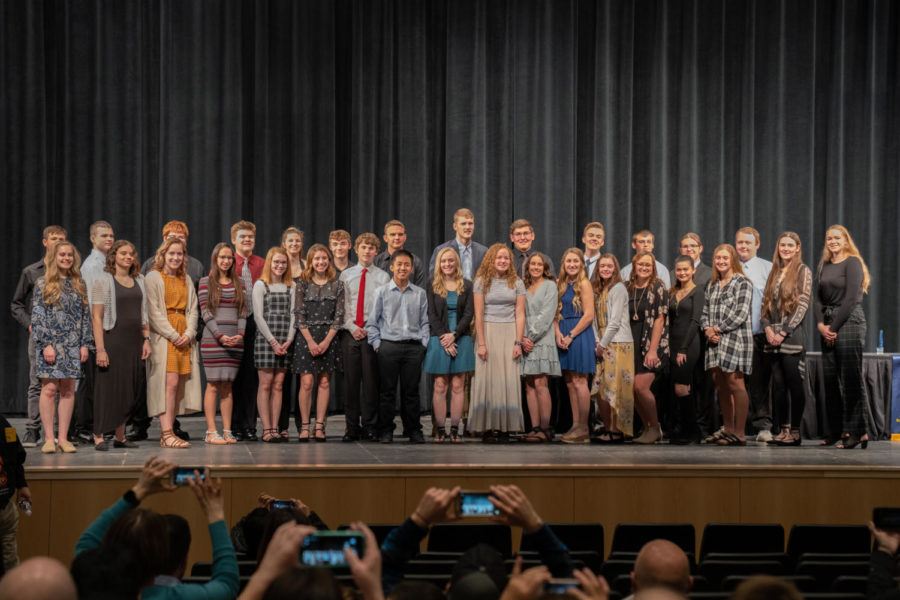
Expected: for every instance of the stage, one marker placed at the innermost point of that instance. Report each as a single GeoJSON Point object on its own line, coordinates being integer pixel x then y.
{"type": "Point", "coordinates": [381, 483]}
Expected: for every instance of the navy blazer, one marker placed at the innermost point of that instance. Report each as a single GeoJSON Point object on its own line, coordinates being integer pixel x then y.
{"type": "Point", "coordinates": [438, 322]}
{"type": "Point", "coordinates": [478, 252]}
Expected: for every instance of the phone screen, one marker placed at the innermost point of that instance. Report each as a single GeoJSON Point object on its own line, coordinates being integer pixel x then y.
{"type": "Point", "coordinates": [280, 504]}
{"type": "Point", "coordinates": [476, 504]}
{"type": "Point", "coordinates": [181, 475]}
{"type": "Point", "coordinates": [326, 548]}
{"type": "Point", "coordinates": [560, 586]}
{"type": "Point", "coordinates": [886, 518]}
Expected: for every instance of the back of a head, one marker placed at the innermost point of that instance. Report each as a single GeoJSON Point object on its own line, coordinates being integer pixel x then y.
{"type": "Point", "coordinates": [179, 544]}
{"type": "Point", "coordinates": [304, 583]}
{"type": "Point", "coordinates": [766, 587]}
{"type": "Point", "coordinates": [661, 563]}
{"type": "Point", "coordinates": [415, 590]}
{"type": "Point", "coordinates": [146, 534]}
{"type": "Point", "coordinates": [38, 578]}
{"type": "Point", "coordinates": [479, 574]}
{"type": "Point", "coordinates": [106, 573]}
{"type": "Point", "coordinates": [275, 519]}
{"type": "Point", "coordinates": [659, 593]}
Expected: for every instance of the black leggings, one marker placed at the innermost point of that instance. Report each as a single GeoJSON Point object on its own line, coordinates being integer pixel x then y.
{"type": "Point", "coordinates": [788, 375]}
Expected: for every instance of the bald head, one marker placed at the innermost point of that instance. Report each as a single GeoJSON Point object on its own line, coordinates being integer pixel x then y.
{"type": "Point", "coordinates": [659, 593]}
{"type": "Point", "coordinates": [661, 563]}
{"type": "Point", "coordinates": [39, 578]}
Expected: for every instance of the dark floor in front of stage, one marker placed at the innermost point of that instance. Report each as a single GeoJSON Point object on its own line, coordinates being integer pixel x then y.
{"type": "Point", "coordinates": [472, 452]}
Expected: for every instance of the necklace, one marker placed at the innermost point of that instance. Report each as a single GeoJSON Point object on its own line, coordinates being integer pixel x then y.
{"type": "Point", "coordinates": [636, 301]}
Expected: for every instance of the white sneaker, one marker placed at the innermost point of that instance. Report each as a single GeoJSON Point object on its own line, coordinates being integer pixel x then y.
{"type": "Point", "coordinates": [764, 436]}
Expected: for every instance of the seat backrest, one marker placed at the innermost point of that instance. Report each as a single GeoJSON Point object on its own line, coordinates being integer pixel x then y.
{"type": "Point", "coordinates": [742, 537]}
{"type": "Point", "coordinates": [825, 572]}
{"type": "Point", "coordinates": [631, 537]}
{"type": "Point", "coordinates": [459, 537]}
{"type": "Point", "coordinates": [718, 570]}
{"type": "Point", "coordinates": [576, 537]}
{"type": "Point", "coordinates": [846, 539]}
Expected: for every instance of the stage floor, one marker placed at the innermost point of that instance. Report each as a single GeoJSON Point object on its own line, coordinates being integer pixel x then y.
{"type": "Point", "coordinates": [882, 457]}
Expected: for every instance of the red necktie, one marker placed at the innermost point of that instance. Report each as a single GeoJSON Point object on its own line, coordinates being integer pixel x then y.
{"type": "Point", "coordinates": [361, 301]}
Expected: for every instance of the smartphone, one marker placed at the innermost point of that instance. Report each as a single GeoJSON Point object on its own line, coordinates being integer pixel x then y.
{"type": "Point", "coordinates": [886, 518]}
{"type": "Point", "coordinates": [560, 586]}
{"type": "Point", "coordinates": [280, 504]}
{"type": "Point", "coordinates": [181, 475]}
{"type": "Point", "coordinates": [326, 548]}
{"type": "Point", "coordinates": [475, 504]}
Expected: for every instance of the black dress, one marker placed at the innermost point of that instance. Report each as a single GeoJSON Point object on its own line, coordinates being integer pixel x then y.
{"type": "Point", "coordinates": [684, 334]}
{"type": "Point", "coordinates": [117, 386]}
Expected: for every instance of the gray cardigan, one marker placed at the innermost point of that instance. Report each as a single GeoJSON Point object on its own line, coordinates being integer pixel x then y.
{"type": "Point", "coordinates": [103, 291]}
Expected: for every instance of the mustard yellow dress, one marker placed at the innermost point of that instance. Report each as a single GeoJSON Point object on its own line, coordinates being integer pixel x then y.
{"type": "Point", "coordinates": [178, 360]}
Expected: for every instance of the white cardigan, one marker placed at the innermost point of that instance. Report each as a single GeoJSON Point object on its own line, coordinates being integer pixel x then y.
{"type": "Point", "coordinates": [103, 291]}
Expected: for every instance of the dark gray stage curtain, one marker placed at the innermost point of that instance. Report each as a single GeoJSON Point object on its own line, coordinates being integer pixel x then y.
{"type": "Point", "coordinates": [677, 116]}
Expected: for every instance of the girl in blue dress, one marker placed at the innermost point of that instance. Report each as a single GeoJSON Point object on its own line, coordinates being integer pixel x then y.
{"type": "Point", "coordinates": [61, 328]}
{"type": "Point", "coordinates": [450, 353]}
{"type": "Point", "coordinates": [575, 340]}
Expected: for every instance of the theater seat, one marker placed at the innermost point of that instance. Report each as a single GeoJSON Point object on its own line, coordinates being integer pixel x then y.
{"type": "Point", "coordinates": [459, 537]}
{"type": "Point", "coordinates": [741, 538]}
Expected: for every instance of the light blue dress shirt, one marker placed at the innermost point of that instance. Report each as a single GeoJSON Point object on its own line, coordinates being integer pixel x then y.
{"type": "Point", "coordinates": [757, 271]}
{"type": "Point", "coordinates": [398, 315]}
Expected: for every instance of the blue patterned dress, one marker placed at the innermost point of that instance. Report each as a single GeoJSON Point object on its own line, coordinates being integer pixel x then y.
{"type": "Point", "coordinates": [65, 325]}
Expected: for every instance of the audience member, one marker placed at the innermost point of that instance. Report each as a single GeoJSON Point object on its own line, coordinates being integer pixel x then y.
{"type": "Point", "coordinates": [766, 587]}
{"type": "Point", "coordinates": [38, 578]}
{"type": "Point", "coordinates": [13, 489]}
{"type": "Point", "coordinates": [883, 565]}
{"type": "Point", "coordinates": [20, 306]}
{"type": "Point", "coordinates": [146, 534]}
{"type": "Point", "coordinates": [660, 563]}
{"type": "Point", "coordinates": [106, 573]}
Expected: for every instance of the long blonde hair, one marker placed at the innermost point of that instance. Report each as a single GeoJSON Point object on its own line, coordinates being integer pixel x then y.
{"type": "Point", "coordinates": [485, 272]}
{"type": "Point", "coordinates": [564, 280]}
{"type": "Point", "coordinates": [851, 250]}
{"type": "Point", "coordinates": [437, 285]}
{"type": "Point", "coordinates": [52, 290]}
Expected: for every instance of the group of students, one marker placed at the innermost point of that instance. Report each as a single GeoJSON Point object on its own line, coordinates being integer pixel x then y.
{"type": "Point", "coordinates": [486, 323]}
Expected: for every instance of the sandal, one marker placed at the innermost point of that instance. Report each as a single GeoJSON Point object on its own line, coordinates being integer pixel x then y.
{"type": "Point", "coordinates": [715, 437]}
{"type": "Point", "coordinates": [228, 436]}
{"type": "Point", "coordinates": [729, 439]}
{"type": "Point", "coordinates": [455, 438]}
{"type": "Point", "coordinates": [213, 437]}
{"type": "Point", "coordinates": [168, 439]}
{"type": "Point", "coordinates": [852, 441]}
{"type": "Point", "coordinates": [609, 437]}
{"type": "Point", "coordinates": [784, 435]}
{"type": "Point", "coordinates": [534, 436]}
{"type": "Point", "coordinates": [320, 429]}
{"type": "Point", "coordinates": [270, 436]}
{"type": "Point", "coordinates": [304, 429]}
{"type": "Point", "coordinates": [440, 435]}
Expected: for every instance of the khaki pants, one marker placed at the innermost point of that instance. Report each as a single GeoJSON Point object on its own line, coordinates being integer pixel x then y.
{"type": "Point", "coordinates": [9, 524]}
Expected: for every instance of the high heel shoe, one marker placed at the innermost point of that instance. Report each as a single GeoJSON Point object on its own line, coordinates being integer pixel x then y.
{"type": "Point", "coordinates": [304, 428]}
{"type": "Point", "coordinates": [792, 439]}
{"type": "Point", "coordinates": [852, 441]}
{"type": "Point", "coordinates": [319, 432]}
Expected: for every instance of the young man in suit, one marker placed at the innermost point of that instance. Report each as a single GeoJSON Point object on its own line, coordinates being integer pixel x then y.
{"type": "Point", "coordinates": [471, 253]}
